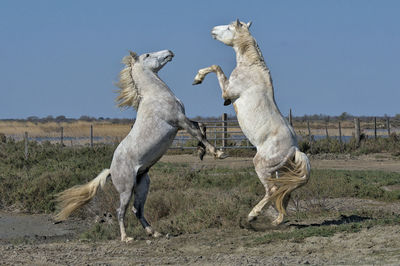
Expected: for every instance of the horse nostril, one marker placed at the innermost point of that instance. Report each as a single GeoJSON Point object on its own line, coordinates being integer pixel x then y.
{"type": "Point", "coordinates": [172, 54]}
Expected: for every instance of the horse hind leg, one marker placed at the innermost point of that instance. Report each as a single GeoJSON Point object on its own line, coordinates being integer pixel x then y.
{"type": "Point", "coordinates": [140, 193]}
{"type": "Point", "coordinates": [123, 183]}
{"type": "Point", "coordinates": [264, 201]}
{"type": "Point", "coordinates": [275, 189]}
{"type": "Point", "coordinates": [124, 199]}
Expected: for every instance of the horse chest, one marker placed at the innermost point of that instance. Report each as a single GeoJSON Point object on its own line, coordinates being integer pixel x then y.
{"type": "Point", "coordinates": [248, 120]}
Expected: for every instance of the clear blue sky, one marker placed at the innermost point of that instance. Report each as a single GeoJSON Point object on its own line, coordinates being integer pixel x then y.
{"type": "Point", "coordinates": [329, 57]}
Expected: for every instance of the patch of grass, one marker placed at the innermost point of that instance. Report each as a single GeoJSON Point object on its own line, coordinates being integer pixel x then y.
{"type": "Point", "coordinates": [180, 200]}
{"type": "Point", "coordinates": [30, 184]}
{"type": "Point", "coordinates": [326, 183]}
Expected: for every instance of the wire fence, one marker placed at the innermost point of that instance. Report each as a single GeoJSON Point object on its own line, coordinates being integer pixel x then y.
{"type": "Point", "coordinates": [224, 133]}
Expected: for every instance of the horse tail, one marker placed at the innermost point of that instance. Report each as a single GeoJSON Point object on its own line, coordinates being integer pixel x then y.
{"type": "Point", "coordinates": [77, 196]}
{"type": "Point", "coordinates": [294, 174]}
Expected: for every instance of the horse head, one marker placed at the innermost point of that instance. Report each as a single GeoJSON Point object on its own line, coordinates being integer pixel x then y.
{"type": "Point", "coordinates": [227, 34]}
{"type": "Point", "coordinates": [128, 94]}
{"type": "Point", "coordinates": [153, 61]}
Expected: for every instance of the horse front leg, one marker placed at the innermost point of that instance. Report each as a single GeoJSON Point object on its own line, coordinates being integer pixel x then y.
{"type": "Point", "coordinates": [222, 79]}
{"type": "Point", "coordinates": [201, 148]}
{"type": "Point", "coordinates": [195, 131]}
{"type": "Point", "coordinates": [140, 192]}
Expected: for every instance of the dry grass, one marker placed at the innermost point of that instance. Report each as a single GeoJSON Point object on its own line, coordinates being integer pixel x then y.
{"type": "Point", "coordinates": [73, 129]}
{"type": "Point", "coordinates": [75, 133]}
{"type": "Point", "coordinates": [118, 131]}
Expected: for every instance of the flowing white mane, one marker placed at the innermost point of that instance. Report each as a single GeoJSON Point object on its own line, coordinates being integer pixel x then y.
{"type": "Point", "coordinates": [128, 91]}
{"type": "Point", "coordinates": [247, 45]}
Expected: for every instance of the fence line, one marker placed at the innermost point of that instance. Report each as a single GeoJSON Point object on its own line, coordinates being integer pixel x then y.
{"type": "Point", "coordinates": [227, 134]}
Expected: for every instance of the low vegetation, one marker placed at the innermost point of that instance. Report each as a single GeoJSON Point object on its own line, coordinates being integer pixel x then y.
{"type": "Point", "coordinates": [30, 184]}
{"type": "Point", "coordinates": [367, 145]}
{"type": "Point", "coordinates": [181, 199]}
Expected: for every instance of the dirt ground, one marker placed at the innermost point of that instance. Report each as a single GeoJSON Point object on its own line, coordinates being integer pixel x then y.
{"type": "Point", "coordinates": [36, 240]}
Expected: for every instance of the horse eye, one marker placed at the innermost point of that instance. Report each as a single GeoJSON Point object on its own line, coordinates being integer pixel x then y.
{"type": "Point", "coordinates": [147, 55]}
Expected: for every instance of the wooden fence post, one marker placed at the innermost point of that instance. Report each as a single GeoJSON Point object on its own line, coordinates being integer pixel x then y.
{"type": "Point", "coordinates": [357, 131]}
{"type": "Point", "coordinates": [326, 130]}
{"type": "Point", "coordinates": [225, 130]}
{"type": "Point", "coordinates": [26, 144]}
{"type": "Point", "coordinates": [309, 131]}
{"type": "Point", "coordinates": [340, 136]}
{"type": "Point", "coordinates": [388, 125]}
{"type": "Point", "coordinates": [376, 136]}
{"type": "Point", "coordinates": [310, 137]}
{"type": "Point", "coordinates": [91, 136]}
{"type": "Point", "coordinates": [215, 136]}
{"type": "Point", "coordinates": [290, 117]}
{"type": "Point", "coordinates": [62, 137]}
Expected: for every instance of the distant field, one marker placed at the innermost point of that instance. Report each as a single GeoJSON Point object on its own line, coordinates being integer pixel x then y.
{"type": "Point", "coordinates": [71, 129]}
{"type": "Point", "coordinates": [80, 128]}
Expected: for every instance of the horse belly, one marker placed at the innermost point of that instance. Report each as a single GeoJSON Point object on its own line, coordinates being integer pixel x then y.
{"type": "Point", "coordinates": [160, 145]}
{"type": "Point", "coordinates": [143, 146]}
{"type": "Point", "coordinates": [153, 147]}
{"type": "Point", "coordinates": [261, 121]}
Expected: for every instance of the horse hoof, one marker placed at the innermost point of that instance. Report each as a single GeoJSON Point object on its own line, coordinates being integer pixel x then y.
{"type": "Point", "coordinates": [127, 239]}
{"type": "Point", "coordinates": [221, 155]}
{"type": "Point", "coordinates": [201, 156]}
{"type": "Point", "coordinates": [227, 102]}
{"type": "Point", "coordinates": [195, 82]}
{"type": "Point", "coordinates": [277, 222]}
{"type": "Point", "coordinates": [245, 223]}
{"type": "Point", "coordinates": [201, 152]}
{"type": "Point", "coordinates": [251, 218]}
{"type": "Point", "coordinates": [156, 234]}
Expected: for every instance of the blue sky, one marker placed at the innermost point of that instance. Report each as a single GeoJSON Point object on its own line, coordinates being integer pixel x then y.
{"type": "Point", "coordinates": [326, 57]}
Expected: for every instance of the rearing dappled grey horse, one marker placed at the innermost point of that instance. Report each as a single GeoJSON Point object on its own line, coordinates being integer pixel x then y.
{"type": "Point", "coordinates": [159, 117]}
{"type": "Point", "coordinates": [280, 165]}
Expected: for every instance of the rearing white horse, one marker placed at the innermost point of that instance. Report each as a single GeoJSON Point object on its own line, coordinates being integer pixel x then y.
{"type": "Point", "coordinates": [159, 117]}
{"type": "Point", "coordinates": [280, 165]}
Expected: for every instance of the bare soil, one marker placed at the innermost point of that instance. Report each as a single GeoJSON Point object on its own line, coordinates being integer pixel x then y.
{"type": "Point", "coordinates": [36, 240]}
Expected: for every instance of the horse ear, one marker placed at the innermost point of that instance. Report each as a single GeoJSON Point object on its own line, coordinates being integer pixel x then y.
{"type": "Point", "coordinates": [134, 55]}
{"type": "Point", "coordinates": [237, 23]}
{"type": "Point", "coordinates": [249, 24]}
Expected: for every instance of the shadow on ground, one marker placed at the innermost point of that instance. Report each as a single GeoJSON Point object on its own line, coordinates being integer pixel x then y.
{"type": "Point", "coordinates": [264, 224]}
{"type": "Point", "coordinates": [344, 219]}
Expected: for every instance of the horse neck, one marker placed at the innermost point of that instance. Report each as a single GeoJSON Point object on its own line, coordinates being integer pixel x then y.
{"type": "Point", "coordinates": [149, 80]}
{"type": "Point", "coordinates": [248, 55]}
{"type": "Point", "coordinates": [247, 51]}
